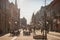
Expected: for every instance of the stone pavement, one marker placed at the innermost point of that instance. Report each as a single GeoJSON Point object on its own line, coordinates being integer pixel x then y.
{"type": "Point", "coordinates": [55, 34]}
{"type": "Point", "coordinates": [21, 37]}
{"type": "Point", "coordinates": [6, 37]}
{"type": "Point", "coordinates": [50, 36]}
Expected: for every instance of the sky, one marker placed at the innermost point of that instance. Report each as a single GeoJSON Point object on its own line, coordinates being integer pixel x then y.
{"type": "Point", "coordinates": [27, 7]}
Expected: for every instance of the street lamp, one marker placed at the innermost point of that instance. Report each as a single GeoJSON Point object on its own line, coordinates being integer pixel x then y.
{"type": "Point", "coordinates": [15, 22]}
{"type": "Point", "coordinates": [45, 26]}
{"type": "Point", "coordinates": [9, 22]}
{"type": "Point", "coordinates": [10, 26]}
{"type": "Point", "coordinates": [46, 22]}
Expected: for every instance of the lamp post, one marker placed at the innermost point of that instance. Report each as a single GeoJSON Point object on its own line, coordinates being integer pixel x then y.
{"type": "Point", "coordinates": [45, 23]}
{"type": "Point", "coordinates": [15, 22]}
{"type": "Point", "coordinates": [9, 26]}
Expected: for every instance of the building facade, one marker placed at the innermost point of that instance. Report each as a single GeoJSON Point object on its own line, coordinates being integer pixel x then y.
{"type": "Point", "coordinates": [9, 14]}
{"type": "Point", "coordinates": [4, 16]}
{"type": "Point", "coordinates": [54, 11]}
{"type": "Point", "coordinates": [52, 15]}
{"type": "Point", "coordinates": [23, 23]}
{"type": "Point", "coordinates": [15, 16]}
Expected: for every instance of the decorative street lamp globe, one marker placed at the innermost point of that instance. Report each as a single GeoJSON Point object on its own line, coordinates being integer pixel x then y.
{"type": "Point", "coordinates": [15, 22]}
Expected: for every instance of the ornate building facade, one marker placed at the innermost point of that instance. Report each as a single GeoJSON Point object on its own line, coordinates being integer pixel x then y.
{"type": "Point", "coordinates": [15, 16]}
{"type": "Point", "coordinates": [53, 15]}
{"type": "Point", "coordinates": [9, 14]}
{"type": "Point", "coordinates": [23, 22]}
{"type": "Point", "coordinates": [4, 16]}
